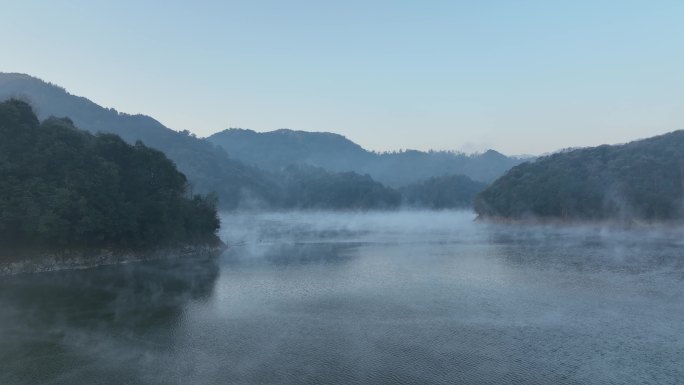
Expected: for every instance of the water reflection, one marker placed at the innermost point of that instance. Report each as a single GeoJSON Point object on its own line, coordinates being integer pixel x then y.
{"type": "Point", "coordinates": [65, 326]}
{"type": "Point", "coordinates": [381, 298]}
{"type": "Point", "coordinates": [589, 248]}
{"type": "Point", "coordinates": [291, 254]}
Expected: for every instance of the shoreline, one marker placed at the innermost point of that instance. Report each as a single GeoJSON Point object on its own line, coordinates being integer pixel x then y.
{"type": "Point", "coordinates": [88, 259]}
{"type": "Point", "coordinates": [617, 224]}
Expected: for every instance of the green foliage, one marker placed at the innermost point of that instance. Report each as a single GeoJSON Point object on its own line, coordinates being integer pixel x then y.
{"type": "Point", "coordinates": [312, 187]}
{"type": "Point", "coordinates": [446, 192]}
{"type": "Point", "coordinates": [208, 167]}
{"type": "Point", "coordinates": [63, 187]}
{"type": "Point", "coordinates": [641, 180]}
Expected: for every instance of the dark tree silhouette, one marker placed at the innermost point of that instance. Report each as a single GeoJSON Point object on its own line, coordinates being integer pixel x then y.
{"type": "Point", "coordinates": [641, 180]}
{"type": "Point", "coordinates": [63, 187]}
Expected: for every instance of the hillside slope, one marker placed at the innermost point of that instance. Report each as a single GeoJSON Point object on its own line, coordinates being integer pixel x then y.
{"type": "Point", "coordinates": [275, 150]}
{"type": "Point", "coordinates": [640, 180]}
{"type": "Point", "coordinates": [269, 170]}
{"type": "Point", "coordinates": [446, 192]}
{"type": "Point", "coordinates": [208, 167]}
{"type": "Point", "coordinates": [61, 187]}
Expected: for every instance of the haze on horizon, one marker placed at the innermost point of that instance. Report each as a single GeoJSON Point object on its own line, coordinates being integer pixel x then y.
{"type": "Point", "coordinates": [519, 77]}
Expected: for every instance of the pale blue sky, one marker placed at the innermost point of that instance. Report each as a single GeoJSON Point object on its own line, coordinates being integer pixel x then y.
{"type": "Point", "coordinates": [517, 76]}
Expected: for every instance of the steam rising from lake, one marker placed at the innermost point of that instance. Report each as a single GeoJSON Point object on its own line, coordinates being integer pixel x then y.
{"type": "Point", "coordinates": [402, 297]}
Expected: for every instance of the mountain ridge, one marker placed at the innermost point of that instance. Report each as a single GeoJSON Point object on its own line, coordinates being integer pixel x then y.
{"type": "Point", "coordinates": [251, 170]}
{"type": "Point", "coordinates": [274, 150]}
{"type": "Point", "coordinates": [209, 168]}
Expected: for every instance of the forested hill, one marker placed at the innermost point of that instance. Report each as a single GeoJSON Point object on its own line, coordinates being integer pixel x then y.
{"type": "Point", "coordinates": [642, 180]}
{"type": "Point", "coordinates": [61, 187]}
{"type": "Point", "coordinates": [307, 187]}
{"type": "Point", "coordinates": [207, 166]}
{"type": "Point", "coordinates": [445, 192]}
{"type": "Point", "coordinates": [281, 148]}
{"type": "Point", "coordinates": [250, 170]}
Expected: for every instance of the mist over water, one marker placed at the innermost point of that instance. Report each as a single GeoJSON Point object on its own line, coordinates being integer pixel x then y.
{"type": "Point", "coordinates": [338, 298]}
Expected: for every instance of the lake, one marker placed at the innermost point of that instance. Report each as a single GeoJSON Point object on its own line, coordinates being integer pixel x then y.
{"type": "Point", "coordinates": [362, 298]}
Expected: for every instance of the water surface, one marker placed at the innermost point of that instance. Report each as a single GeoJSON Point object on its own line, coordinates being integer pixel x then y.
{"type": "Point", "coordinates": [382, 298]}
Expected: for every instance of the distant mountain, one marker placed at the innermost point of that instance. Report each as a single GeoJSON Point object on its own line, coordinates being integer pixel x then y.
{"type": "Point", "coordinates": [307, 187]}
{"type": "Point", "coordinates": [267, 170]}
{"type": "Point", "coordinates": [444, 192]}
{"type": "Point", "coordinates": [208, 167]}
{"type": "Point", "coordinates": [641, 180]}
{"type": "Point", "coordinates": [278, 149]}
{"type": "Point", "coordinates": [281, 148]}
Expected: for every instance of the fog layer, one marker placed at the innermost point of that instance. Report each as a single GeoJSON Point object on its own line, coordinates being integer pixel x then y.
{"type": "Point", "coordinates": [403, 297]}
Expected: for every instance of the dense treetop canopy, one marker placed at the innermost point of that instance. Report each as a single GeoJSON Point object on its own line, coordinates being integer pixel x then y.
{"type": "Point", "coordinates": [208, 167]}
{"type": "Point", "coordinates": [641, 180]}
{"type": "Point", "coordinates": [315, 188]}
{"type": "Point", "coordinates": [445, 192]}
{"type": "Point", "coordinates": [61, 187]}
